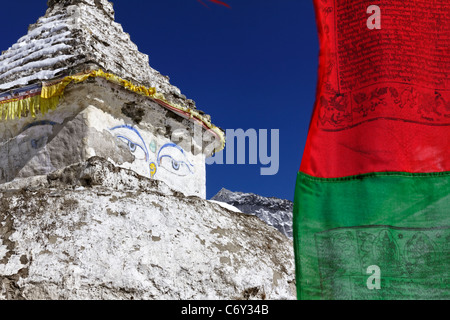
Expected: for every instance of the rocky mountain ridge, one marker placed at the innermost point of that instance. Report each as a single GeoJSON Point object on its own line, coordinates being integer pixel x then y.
{"type": "Point", "coordinates": [275, 212]}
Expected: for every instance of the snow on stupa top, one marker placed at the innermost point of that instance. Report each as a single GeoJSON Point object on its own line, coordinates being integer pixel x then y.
{"type": "Point", "coordinates": [76, 36]}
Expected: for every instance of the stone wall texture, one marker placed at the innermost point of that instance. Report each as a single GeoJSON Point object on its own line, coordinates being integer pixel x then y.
{"type": "Point", "coordinates": [96, 231]}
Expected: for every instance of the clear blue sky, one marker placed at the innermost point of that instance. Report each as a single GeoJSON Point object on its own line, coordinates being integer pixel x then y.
{"type": "Point", "coordinates": [251, 66]}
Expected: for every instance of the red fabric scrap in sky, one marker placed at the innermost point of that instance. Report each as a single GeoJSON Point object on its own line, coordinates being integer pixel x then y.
{"type": "Point", "coordinates": [217, 2]}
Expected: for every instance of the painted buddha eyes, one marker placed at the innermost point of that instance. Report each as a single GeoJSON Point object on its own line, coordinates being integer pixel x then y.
{"type": "Point", "coordinates": [172, 158]}
{"type": "Point", "coordinates": [175, 165]}
{"type": "Point", "coordinates": [135, 148]}
{"type": "Point", "coordinates": [131, 137]}
{"type": "Point", "coordinates": [132, 146]}
{"type": "Point", "coordinates": [40, 130]}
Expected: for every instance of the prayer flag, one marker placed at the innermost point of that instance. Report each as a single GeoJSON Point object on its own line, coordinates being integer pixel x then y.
{"type": "Point", "coordinates": [372, 200]}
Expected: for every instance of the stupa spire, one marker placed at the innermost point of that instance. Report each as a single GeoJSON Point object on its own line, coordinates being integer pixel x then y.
{"type": "Point", "coordinates": [77, 36]}
{"type": "Point", "coordinates": [102, 5]}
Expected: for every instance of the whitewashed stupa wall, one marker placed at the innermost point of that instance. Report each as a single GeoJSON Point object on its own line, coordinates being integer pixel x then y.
{"type": "Point", "coordinates": [101, 119]}
{"type": "Point", "coordinates": [32, 147]}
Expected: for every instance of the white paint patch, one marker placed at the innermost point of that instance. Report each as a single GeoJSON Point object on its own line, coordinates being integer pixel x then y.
{"type": "Point", "coordinates": [226, 206]}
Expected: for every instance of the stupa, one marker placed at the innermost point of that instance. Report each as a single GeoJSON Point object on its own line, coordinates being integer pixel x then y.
{"type": "Point", "coordinates": [76, 87]}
